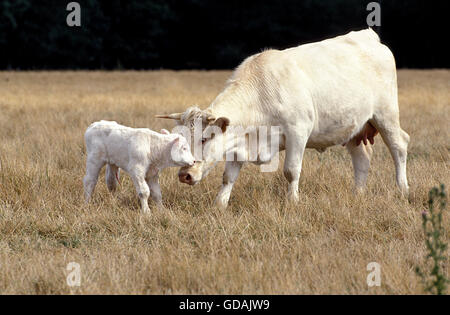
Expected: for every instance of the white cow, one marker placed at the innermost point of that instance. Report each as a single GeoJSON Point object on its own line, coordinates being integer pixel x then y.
{"type": "Point", "coordinates": [140, 152]}
{"type": "Point", "coordinates": [337, 91]}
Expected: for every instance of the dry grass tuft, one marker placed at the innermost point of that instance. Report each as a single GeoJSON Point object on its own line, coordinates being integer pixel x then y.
{"type": "Point", "coordinates": [259, 245]}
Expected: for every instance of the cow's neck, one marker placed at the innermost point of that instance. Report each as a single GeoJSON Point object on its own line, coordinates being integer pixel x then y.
{"type": "Point", "coordinates": [237, 103]}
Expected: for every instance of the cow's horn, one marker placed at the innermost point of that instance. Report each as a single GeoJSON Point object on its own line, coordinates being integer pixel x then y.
{"type": "Point", "coordinates": [210, 118]}
{"type": "Point", "coordinates": [176, 116]}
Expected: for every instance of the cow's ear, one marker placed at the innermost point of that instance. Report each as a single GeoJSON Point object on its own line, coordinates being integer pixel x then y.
{"type": "Point", "coordinates": [165, 132]}
{"type": "Point", "coordinates": [222, 123]}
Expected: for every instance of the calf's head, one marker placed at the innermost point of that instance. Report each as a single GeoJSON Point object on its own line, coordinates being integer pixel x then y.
{"type": "Point", "coordinates": [180, 152]}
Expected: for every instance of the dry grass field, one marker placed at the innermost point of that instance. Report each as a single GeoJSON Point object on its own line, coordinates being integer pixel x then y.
{"type": "Point", "coordinates": [259, 245]}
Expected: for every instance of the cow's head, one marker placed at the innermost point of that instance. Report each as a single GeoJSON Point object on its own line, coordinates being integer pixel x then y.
{"type": "Point", "coordinates": [207, 134]}
{"type": "Point", "coordinates": [213, 146]}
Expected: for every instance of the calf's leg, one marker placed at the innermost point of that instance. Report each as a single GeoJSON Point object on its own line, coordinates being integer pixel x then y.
{"type": "Point", "coordinates": [142, 188]}
{"type": "Point", "coordinates": [112, 176]}
{"type": "Point", "coordinates": [155, 190]}
{"type": "Point", "coordinates": [93, 167]}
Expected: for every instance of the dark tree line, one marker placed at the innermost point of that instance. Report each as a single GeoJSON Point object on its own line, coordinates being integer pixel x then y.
{"type": "Point", "coordinates": [205, 34]}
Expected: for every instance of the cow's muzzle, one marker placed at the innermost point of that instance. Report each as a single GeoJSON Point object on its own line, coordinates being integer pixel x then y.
{"type": "Point", "coordinates": [185, 177]}
{"type": "Point", "coordinates": [191, 175]}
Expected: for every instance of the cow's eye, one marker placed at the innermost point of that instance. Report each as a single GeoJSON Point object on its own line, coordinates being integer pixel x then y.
{"type": "Point", "coordinates": [204, 140]}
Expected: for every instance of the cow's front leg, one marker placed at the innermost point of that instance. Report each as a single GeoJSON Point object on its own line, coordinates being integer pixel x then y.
{"type": "Point", "coordinates": [295, 147]}
{"type": "Point", "coordinates": [230, 175]}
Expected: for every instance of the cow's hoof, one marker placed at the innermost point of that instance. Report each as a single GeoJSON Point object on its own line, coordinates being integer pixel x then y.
{"type": "Point", "coordinates": [359, 190]}
{"type": "Point", "coordinates": [220, 205]}
{"type": "Point", "coordinates": [293, 197]}
{"type": "Point", "coordinates": [146, 211]}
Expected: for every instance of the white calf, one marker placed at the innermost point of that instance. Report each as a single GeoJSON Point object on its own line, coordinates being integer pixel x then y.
{"type": "Point", "coordinates": [140, 152]}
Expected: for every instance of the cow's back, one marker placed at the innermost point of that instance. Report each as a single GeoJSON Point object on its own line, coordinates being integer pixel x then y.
{"type": "Point", "coordinates": [347, 78]}
{"type": "Point", "coordinates": [356, 59]}
{"type": "Point", "coordinates": [335, 83]}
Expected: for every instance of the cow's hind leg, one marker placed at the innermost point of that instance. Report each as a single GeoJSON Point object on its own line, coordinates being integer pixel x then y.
{"type": "Point", "coordinates": [230, 176]}
{"type": "Point", "coordinates": [361, 155]}
{"type": "Point", "coordinates": [93, 167]}
{"type": "Point", "coordinates": [112, 177]}
{"type": "Point", "coordinates": [397, 141]}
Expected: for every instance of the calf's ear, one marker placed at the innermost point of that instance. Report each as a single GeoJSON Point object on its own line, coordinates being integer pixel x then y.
{"type": "Point", "coordinates": [165, 132]}
{"type": "Point", "coordinates": [177, 139]}
{"type": "Point", "coordinates": [222, 123]}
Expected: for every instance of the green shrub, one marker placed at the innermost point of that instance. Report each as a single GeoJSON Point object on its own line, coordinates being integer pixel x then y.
{"type": "Point", "coordinates": [434, 279]}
